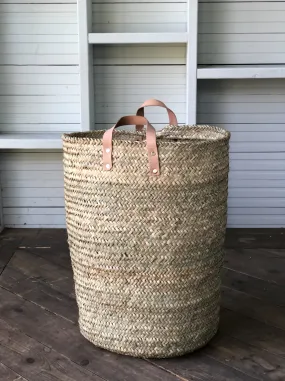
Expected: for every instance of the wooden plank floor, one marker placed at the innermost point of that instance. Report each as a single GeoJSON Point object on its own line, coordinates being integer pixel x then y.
{"type": "Point", "coordinates": [40, 341]}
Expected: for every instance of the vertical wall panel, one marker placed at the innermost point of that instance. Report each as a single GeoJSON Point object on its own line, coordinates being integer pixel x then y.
{"type": "Point", "coordinates": [241, 32]}
{"type": "Point", "coordinates": [39, 80]}
{"type": "Point", "coordinates": [32, 189]}
{"type": "Point", "coordinates": [253, 110]}
{"type": "Point", "coordinates": [39, 92]}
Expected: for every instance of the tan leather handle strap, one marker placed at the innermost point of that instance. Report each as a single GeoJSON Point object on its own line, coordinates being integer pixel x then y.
{"type": "Point", "coordinates": [156, 102]}
{"type": "Point", "coordinates": [150, 142]}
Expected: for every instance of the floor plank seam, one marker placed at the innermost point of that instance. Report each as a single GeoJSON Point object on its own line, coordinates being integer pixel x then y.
{"type": "Point", "coordinates": [54, 287]}
{"type": "Point", "coordinates": [30, 251]}
{"type": "Point", "coordinates": [256, 297]}
{"type": "Point", "coordinates": [38, 305]}
{"type": "Point", "coordinates": [253, 276]}
{"type": "Point", "coordinates": [253, 345]}
{"type": "Point", "coordinates": [252, 296]}
{"type": "Point", "coordinates": [170, 372]}
{"type": "Point", "coordinates": [232, 367]}
{"type": "Point", "coordinates": [20, 377]}
{"type": "Point", "coordinates": [275, 256]}
{"type": "Point", "coordinates": [16, 248]}
{"type": "Point", "coordinates": [51, 348]}
{"type": "Point", "coordinates": [252, 318]}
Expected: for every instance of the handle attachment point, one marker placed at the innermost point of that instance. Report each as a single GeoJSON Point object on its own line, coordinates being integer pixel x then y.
{"type": "Point", "coordinates": [150, 143]}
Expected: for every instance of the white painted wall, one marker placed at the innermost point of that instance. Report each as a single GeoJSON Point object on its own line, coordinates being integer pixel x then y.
{"type": "Point", "coordinates": [253, 110]}
{"type": "Point", "coordinates": [39, 81]}
{"type": "Point", "coordinates": [39, 91]}
{"type": "Point", "coordinates": [32, 189]}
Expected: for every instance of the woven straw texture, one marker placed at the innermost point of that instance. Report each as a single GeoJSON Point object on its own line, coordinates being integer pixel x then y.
{"type": "Point", "coordinates": [147, 251]}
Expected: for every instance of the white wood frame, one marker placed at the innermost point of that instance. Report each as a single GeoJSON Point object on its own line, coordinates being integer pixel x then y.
{"type": "Point", "coordinates": [1, 209]}
{"type": "Point", "coordinates": [241, 72]}
{"type": "Point", "coordinates": [190, 38]}
{"type": "Point", "coordinates": [84, 12]}
{"type": "Point", "coordinates": [191, 62]}
{"type": "Point", "coordinates": [137, 38]}
{"type": "Point", "coordinates": [30, 141]}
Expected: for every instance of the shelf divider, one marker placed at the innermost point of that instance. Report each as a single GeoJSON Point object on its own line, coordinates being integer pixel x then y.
{"type": "Point", "coordinates": [137, 38]}
{"type": "Point", "coordinates": [84, 17]}
{"type": "Point", "coordinates": [191, 61]}
{"type": "Point", "coordinates": [31, 141]}
{"type": "Point", "coordinates": [241, 71]}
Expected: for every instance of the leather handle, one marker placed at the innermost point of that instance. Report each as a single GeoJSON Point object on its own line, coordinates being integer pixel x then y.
{"type": "Point", "coordinates": [156, 102]}
{"type": "Point", "coordinates": [150, 143]}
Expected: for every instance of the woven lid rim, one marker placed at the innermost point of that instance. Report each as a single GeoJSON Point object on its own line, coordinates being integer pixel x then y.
{"type": "Point", "coordinates": [163, 136]}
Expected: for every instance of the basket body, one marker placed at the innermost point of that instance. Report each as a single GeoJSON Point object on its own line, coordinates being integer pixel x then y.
{"type": "Point", "coordinates": [147, 251]}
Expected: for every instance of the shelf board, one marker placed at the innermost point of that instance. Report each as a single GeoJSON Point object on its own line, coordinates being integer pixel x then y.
{"type": "Point", "coordinates": [241, 71]}
{"type": "Point", "coordinates": [137, 38]}
{"type": "Point", "coordinates": [30, 141]}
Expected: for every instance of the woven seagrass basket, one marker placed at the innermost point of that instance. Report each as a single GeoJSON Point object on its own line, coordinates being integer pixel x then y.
{"type": "Point", "coordinates": [146, 219]}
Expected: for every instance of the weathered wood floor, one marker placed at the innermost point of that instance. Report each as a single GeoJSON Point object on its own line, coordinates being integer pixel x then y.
{"type": "Point", "coordinates": [40, 341]}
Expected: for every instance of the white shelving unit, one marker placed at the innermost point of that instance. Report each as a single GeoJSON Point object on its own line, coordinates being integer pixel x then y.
{"type": "Point", "coordinates": [87, 39]}
{"type": "Point", "coordinates": [41, 91]}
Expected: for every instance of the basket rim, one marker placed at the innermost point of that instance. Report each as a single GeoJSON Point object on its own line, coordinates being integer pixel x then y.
{"type": "Point", "coordinates": [163, 136]}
